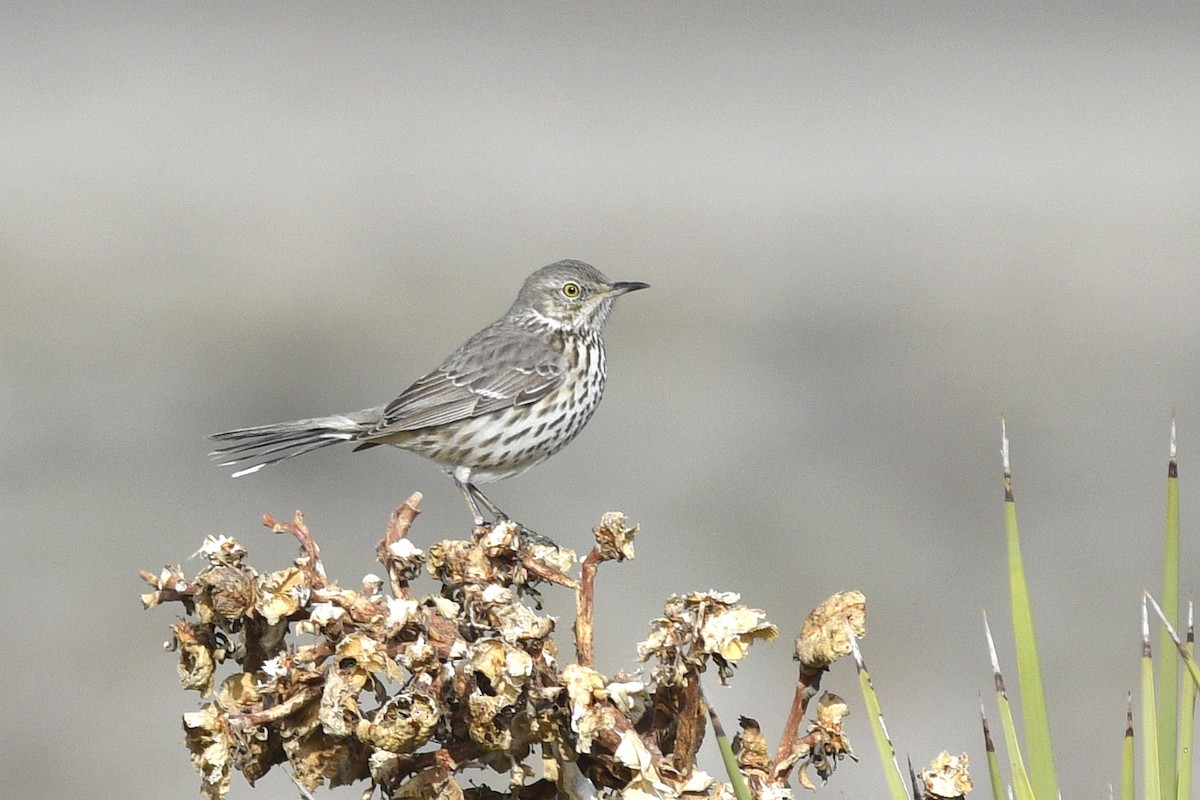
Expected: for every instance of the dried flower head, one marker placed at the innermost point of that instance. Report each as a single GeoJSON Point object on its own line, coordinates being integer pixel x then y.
{"type": "Point", "coordinates": [701, 626]}
{"type": "Point", "coordinates": [947, 777]}
{"type": "Point", "coordinates": [825, 636]}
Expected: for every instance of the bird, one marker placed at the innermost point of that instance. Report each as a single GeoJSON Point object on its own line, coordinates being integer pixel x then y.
{"type": "Point", "coordinates": [510, 397]}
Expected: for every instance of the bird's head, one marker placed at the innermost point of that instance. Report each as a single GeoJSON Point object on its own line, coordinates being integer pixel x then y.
{"type": "Point", "coordinates": [571, 295]}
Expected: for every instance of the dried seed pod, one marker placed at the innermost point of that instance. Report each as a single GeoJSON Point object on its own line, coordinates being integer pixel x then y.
{"type": "Point", "coordinates": [590, 715]}
{"type": "Point", "coordinates": [197, 667]}
{"type": "Point", "coordinates": [280, 594]}
{"type": "Point", "coordinates": [224, 594]}
{"type": "Point", "coordinates": [207, 735]}
{"type": "Point", "coordinates": [402, 724]}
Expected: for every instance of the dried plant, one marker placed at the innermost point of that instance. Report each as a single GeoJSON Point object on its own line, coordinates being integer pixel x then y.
{"type": "Point", "coordinates": [406, 691]}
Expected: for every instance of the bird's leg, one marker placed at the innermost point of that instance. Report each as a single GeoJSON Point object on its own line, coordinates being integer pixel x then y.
{"type": "Point", "coordinates": [476, 513]}
{"type": "Point", "coordinates": [480, 497]}
{"type": "Point", "coordinates": [475, 499]}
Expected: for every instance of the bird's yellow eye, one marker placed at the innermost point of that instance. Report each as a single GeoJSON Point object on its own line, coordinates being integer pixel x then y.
{"type": "Point", "coordinates": [571, 290]}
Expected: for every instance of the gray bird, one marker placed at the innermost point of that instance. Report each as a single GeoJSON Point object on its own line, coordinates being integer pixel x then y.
{"type": "Point", "coordinates": [512, 396]}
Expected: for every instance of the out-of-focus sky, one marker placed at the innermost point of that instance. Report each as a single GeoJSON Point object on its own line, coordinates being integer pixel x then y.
{"type": "Point", "coordinates": [870, 229]}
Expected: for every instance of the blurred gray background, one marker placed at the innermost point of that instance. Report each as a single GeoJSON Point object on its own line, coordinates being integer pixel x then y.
{"type": "Point", "coordinates": [870, 230]}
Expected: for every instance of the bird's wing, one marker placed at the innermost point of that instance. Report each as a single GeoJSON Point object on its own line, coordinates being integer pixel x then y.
{"type": "Point", "coordinates": [495, 369]}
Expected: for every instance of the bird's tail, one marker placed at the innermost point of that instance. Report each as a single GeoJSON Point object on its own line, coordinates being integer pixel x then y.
{"type": "Point", "coordinates": [270, 444]}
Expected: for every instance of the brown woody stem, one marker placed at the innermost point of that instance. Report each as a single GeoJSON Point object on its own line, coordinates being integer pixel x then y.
{"type": "Point", "coordinates": [806, 687]}
{"type": "Point", "coordinates": [585, 608]}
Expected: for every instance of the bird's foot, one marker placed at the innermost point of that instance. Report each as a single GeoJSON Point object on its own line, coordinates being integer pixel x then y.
{"type": "Point", "coordinates": [526, 536]}
{"type": "Point", "coordinates": [530, 538]}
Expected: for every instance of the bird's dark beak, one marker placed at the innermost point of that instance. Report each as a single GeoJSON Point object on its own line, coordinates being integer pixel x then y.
{"type": "Point", "coordinates": [624, 287]}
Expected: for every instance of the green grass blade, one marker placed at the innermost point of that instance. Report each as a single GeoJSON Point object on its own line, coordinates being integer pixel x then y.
{"type": "Point", "coordinates": [1022, 789]}
{"type": "Point", "coordinates": [1127, 754]}
{"type": "Point", "coordinates": [1042, 772]}
{"type": "Point", "coordinates": [1152, 786]}
{"type": "Point", "coordinates": [883, 742]}
{"type": "Point", "coordinates": [1168, 668]}
{"type": "Point", "coordinates": [1188, 660]}
{"type": "Point", "coordinates": [918, 786]}
{"type": "Point", "coordinates": [993, 761]}
{"type": "Point", "coordinates": [1187, 709]}
{"type": "Point", "coordinates": [736, 780]}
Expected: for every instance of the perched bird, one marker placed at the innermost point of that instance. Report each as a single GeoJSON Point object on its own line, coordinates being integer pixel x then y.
{"type": "Point", "coordinates": [512, 396]}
